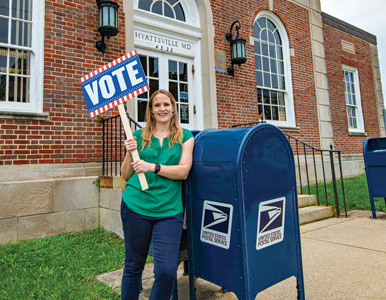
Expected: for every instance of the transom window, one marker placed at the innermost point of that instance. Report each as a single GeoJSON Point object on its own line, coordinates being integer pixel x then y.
{"type": "Point", "coordinates": [167, 8]}
{"type": "Point", "coordinates": [15, 50]}
{"type": "Point", "coordinates": [353, 101]}
{"type": "Point", "coordinates": [270, 77]}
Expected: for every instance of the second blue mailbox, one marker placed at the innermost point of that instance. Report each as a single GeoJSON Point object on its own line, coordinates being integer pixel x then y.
{"type": "Point", "coordinates": [242, 211]}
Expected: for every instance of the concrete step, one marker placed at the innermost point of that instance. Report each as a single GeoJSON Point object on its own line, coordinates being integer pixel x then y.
{"type": "Point", "coordinates": [306, 200]}
{"type": "Point", "coordinates": [315, 213]}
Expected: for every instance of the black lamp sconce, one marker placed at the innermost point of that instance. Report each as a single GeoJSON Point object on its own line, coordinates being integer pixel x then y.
{"type": "Point", "coordinates": [237, 49]}
{"type": "Point", "coordinates": [108, 21]}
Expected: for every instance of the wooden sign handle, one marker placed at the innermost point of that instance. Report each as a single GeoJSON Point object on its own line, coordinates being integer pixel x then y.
{"type": "Point", "coordinates": [129, 134]}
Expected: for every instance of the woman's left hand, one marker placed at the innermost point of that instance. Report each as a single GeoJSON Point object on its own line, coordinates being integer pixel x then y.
{"type": "Point", "coordinates": [141, 166]}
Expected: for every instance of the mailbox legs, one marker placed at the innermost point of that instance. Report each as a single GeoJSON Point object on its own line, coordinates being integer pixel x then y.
{"type": "Point", "coordinates": [192, 288]}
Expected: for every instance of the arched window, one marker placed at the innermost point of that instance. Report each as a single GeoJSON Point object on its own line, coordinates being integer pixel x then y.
{"type": "Point", "coordinates": [167, 8]}
{"type": "Point", "coordinates": [273, 80]}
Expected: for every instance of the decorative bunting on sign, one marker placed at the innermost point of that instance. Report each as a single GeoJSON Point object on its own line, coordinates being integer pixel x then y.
{"type": "Point", "coordinates": [113, 84]}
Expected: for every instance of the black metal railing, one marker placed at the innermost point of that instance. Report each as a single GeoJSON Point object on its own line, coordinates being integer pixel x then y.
{"type": "Point", "coordinates": [113, 152]}
{"type": "Point", "coordinates": [307, 154]}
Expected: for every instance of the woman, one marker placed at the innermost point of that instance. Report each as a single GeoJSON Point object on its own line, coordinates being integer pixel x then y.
{"type": "Point", "coordinates": [155, 214]}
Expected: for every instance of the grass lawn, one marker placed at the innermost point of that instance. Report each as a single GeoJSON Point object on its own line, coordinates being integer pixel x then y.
{"type": "Point", "coordinates": [356, 193]}
{"type": "Point", "coordinates": [60, 267]}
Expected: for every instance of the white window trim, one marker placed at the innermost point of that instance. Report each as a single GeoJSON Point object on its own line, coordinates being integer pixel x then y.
{"type": "Point", "coordinates": [12, 110]}
{"type": "Point", "coordinates": [288, 94]}
{"type": "Point", "coordinates": [360, 122]}
{"type": "Point", "coordinates": [189, 31]}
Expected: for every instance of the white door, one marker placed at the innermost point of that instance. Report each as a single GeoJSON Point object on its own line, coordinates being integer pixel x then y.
{"type": "Point", "coordinates": [172, 73]}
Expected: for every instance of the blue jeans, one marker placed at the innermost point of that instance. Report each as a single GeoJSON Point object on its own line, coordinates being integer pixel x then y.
{"type": "Point", "coordinates": [165, 234]}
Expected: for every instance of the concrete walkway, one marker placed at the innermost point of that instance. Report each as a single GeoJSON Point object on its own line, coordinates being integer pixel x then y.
{"type": "Point", "coordinates": [343, 258]}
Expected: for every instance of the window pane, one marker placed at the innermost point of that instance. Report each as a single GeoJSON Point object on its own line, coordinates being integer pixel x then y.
{"type": "Point", "coordinates": [173, 89]}
{"type": "Point", "coordinates": [266, 97]}
{"type": "Point", "coordinates": [279, 52]}
{"type": "Point", "coordinates": [157, 8]}
{"type": "Point", "coordinates": [144, 4]}
{"type": "Point", "coordinates": [261, 115]}
{"type": "Point", "coordinates": [3, 30]}
{"type": "Point", "coordinates": [256, 30]}
{"type": "Point", "coordinates": [184, 114]}
{"type": "Point", "coordinates": [20, 34]}
{"type": "Point", "coordinates": [274, 81]}
{"type": "Point", "coordinates": [259, 100]}
{"type": "Point", "coordinates": [281, 98]}
{"type": "Point", "coordinates": [280, 68]}
{"type": "Point", "coordinates": [271, 38]}
{"type": "Point", "coordinates": [262, 22]}
{"type": "Point", "coordinates": [12, 61]}
{"type": "Point", "coordinates": [267, 113]}
{"type": "Point", "coordinates": [168, 11]}
{"type": "Point", "coordinates": [272, 51]}
{"type": "Point", "coordinates": [275, 113]}
{"type": "Point", "coordinates": [19, 62]}
{"type": "Point", "coordinates": [3, 85]}
{"type": "Point", "coordinates": [153, 67]}
{"type": "Point", "coordinates": [277, 38]}
{"type": "Point", "coordinates": [281, 83]}
{"type": "Point", "coordinates": [282, 115]}
{"type": "Point", "coordinates": [141, 110]}
{"type": "Point", "coordinates": [143, 60]}
{"type": "Point", "coordinates": [21, 9]}
{"type": "Point", "coordinates": [273, 66]}
{"type": "Point", "coordinates": [258, 62]}
{"type": "Point", "coordinates": [264, 49]}
{"type": "Point", "coordinates": [270, 25]}
{"type": "Point", "coordinates": [257, 47]}
{"type": "Point", "coordinates": [264, 35]}
{"type": "Point", "coordinates": [259, 78]}
{"type": "Point", "coordinates": [265, 64]}
{"type": "Point", "coordinates": [184, 95]}
{"type": "Point", "coordinates": [183, 70]}
{"type": "Point", "coordinates": [274, 98]}
{"type": "Point", "coordinates": [154, 85]}
{"type": "Point", "coordinates": [12, 89]}
{"type": "Point", "coordinates": [179, 12]}
{"type": "Point", "coordinates": [172, 70]}
{"type": "Point", "coordinates": [267, 80]}
{"type": "Point", "coordinates": [3, 59]}
{"type": "Point", "coordinates": [4, 8]}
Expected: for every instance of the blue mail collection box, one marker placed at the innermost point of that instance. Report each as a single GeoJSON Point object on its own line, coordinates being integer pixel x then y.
{"type": "Point", "coordinates": [242, 211]}
{"type": "Point", "coordinates": [374, 154]}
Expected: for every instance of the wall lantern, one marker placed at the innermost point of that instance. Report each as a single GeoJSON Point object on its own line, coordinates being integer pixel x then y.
{"type": "Point", "coordinates": [108, 21]}
{"type": "Point", "coordinates": [237, 49]}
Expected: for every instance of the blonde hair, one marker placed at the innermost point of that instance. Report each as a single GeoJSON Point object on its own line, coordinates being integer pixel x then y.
{"type": "Point", "coordinates": [149, 130]}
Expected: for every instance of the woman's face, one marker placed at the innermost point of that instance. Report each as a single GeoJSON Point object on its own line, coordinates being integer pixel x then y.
{"type": "Point", "coordinates": [162, 108]}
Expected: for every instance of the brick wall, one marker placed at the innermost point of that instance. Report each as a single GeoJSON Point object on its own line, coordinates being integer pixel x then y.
{"type": "Point", "coordinates": [69, 136]}
{"type": "Point", "coordinates": [70, 35]}
{"type": "Point", "coordinates": [335, 58]}
{"type": "Point", "coordinates": [237, 97]}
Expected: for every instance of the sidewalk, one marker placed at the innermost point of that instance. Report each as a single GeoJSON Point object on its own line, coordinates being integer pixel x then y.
{"type": "Point", "coordinates": [343, 258]}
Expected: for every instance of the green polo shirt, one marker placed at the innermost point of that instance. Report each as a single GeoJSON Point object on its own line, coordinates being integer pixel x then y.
{"type": "Point", "coordinates": [163, 197]}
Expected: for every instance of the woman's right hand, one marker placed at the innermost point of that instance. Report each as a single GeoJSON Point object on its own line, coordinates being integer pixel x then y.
{"type": "Point", "coordinates": [131, 144]}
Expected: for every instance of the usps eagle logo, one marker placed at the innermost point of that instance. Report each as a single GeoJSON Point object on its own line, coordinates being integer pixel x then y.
{"type": "Point", "coordinates": [270, 224]}
{"type": "Point", "coordinates": [216, 223]}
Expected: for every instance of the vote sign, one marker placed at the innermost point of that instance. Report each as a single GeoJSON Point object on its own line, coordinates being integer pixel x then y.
{"type": "Point", "coordinates": [113, 84]}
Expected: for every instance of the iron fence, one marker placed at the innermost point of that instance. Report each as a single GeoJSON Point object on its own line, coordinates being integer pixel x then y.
{"type": "Point", "coordinates": [305, 155]}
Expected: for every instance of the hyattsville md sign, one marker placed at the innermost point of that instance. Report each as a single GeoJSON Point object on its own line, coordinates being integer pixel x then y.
{"type": "Point", "coordinates": [112, 85]}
